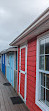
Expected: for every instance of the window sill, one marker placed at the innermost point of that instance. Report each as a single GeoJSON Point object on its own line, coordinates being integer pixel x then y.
{"type": "Point", "coordinates": [42, 106]}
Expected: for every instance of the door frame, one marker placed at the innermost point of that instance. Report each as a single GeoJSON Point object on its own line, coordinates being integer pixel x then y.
{"type": "Point", "coordinates": [24, 72]}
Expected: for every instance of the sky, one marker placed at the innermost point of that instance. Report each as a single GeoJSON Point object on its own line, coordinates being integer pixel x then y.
{"type": "Point", "coordinates": [16, 16]}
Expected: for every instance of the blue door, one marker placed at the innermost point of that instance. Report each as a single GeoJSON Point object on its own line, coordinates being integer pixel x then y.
{"type": "Point", "coordinates": [15, 75]}
{"type": "Point", "coordinates": [12, 69]}
{"type": "Point", "coordinates": [3, 64]}
{"type": "Point", "coordinates": [8, 69]}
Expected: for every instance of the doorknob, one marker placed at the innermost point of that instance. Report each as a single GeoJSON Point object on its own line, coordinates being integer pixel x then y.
{"type": "Point", "coordinates": [19, 71]}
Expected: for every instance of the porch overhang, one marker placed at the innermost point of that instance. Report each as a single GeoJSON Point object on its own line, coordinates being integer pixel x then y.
{"type": "Point", "coordinates": [3, 52]}
{"type": "Point", "coordinates": [39, 26]}
{"type": "Point", "coordinates": [12, 49]}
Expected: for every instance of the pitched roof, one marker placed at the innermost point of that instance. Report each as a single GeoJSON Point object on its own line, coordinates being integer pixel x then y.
{"type": "Point", "coordinates": [40, 25]}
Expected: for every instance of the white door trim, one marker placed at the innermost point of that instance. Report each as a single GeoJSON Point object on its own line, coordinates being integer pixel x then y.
{"type": "Point", "coordinates": [24, 72]}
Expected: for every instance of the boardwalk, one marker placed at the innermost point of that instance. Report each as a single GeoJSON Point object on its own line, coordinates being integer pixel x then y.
{"type": "Point", "coordinates": [5, 93]}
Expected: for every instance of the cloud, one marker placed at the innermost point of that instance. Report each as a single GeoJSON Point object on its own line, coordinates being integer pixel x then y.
{"type": "Point", "coordinates": [3, 43]}
{"type": "Point", "coordinates": [16, 15]}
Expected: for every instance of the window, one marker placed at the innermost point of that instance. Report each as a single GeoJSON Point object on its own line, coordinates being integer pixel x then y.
{"type": "Point", "coordinates": [45, 88]}
{"type": "Point", "coordinates": [44, 54]}
{"type": "Point", "coordinates": [42, 79]}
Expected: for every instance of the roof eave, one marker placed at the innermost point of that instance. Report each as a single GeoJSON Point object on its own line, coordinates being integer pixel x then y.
{"type": "Point", "coordinates": [43, 18]}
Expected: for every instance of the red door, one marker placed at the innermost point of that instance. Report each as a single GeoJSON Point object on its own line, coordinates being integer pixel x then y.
{"type": "Point", "coordinates": [23, 72]}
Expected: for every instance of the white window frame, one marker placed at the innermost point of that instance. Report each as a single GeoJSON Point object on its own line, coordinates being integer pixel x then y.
{"type": "Point", "coordinates": [40, 104]}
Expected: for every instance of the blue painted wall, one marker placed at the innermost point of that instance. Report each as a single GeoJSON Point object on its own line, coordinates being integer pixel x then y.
{"type": "Point", "coordinates": [3, 64]}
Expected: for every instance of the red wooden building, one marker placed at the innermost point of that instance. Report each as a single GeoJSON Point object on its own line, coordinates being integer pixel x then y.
{"type": "Point", "coordinates": [33, 64]}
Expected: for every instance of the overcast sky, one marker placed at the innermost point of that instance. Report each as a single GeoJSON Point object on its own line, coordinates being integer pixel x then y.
{"type": "Point", "coordinates": [16, 15]}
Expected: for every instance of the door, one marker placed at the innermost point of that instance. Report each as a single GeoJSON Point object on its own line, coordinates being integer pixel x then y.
{"type": "Point", "coordinates": [3, 64]}
{"type": "Point", "coordinates": [23, 73]}
{"type": "Point", "coordinates": [15, 75]}
{"type": "Point", "coordinates": [12, 70]}
{"type": "Point", "coordinates": [7, 67]}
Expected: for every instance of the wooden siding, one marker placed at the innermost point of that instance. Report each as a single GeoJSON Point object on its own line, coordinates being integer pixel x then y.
{"type": "Point", "coordinates": [22, 80]}
{"type": "Point", "coordinates": [31, 76]}
{"type": "Point", "coordinates": [22, 84]}
{"type": "Point", "coordinates": [23, 59]}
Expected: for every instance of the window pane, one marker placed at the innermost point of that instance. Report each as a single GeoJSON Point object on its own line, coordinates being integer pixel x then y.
{"type": "Point", "coordinates": [42, 47]}
{"type": "Point", "coordinates": [47, 62]}
{"type": "Point", "coordinates": [42, 79]}
{"type": "Point", "coordinates": [41, 62]}
{"type": "Point", "coordinates": [47, 97]}
{"type": "Point", "coordinates": [43, 94]}
{"type": "Point", "coordinates": [47, 46]}
{"type": "Point", "coordinates": [47, 81]}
